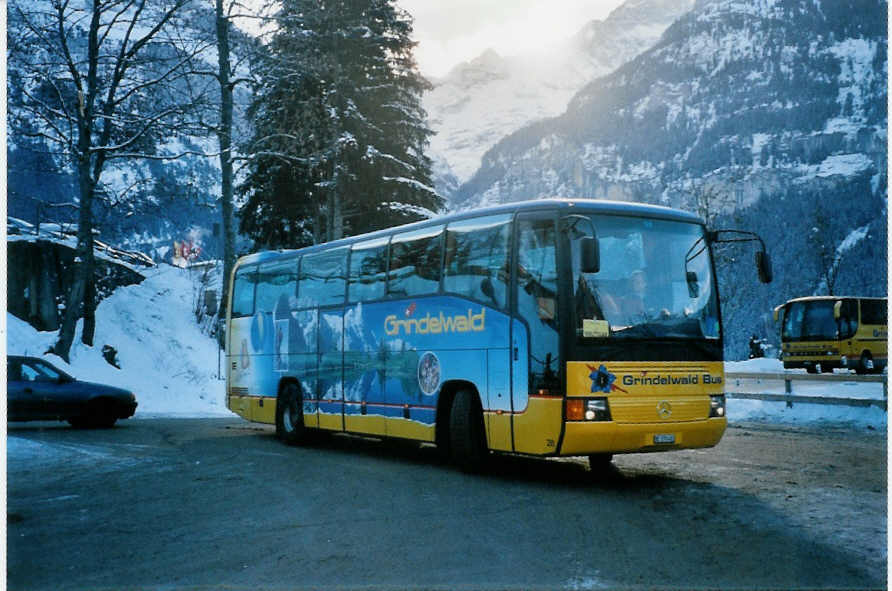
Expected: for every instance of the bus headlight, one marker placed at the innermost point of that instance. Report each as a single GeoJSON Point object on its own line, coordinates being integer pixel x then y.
{"type": "Point", "coordinates": [588, 409]}
{"type": "Point", "coordinates": [596, 409]}
{"type": "Point", "coordinates": [716, 406]}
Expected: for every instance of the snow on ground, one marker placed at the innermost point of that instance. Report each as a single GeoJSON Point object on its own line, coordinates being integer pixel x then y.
{"type": "Point", "coordinates": [172, 366]}
{"type": "Point", "coordinates": [164, 357]}
{"type": "Point", "coordinates": [801, 413]}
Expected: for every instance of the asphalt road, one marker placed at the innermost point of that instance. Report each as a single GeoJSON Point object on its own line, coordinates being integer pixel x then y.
{"type": "Point", "coordinates": [209, 504]}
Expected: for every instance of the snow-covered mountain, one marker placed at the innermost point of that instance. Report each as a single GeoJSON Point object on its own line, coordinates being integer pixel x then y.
{"type": "Point", "coordinates": [752, 94]}
{"type": "Point", "coordinates": [481, 101]}
{"type": "Point", "coordinates": [774, 108]}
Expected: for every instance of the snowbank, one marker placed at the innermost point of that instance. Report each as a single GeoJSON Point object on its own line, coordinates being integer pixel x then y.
{"type": "Point", "coordinates": [164, 357]}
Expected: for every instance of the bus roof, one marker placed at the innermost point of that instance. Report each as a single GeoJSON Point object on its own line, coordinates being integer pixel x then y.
{"type": "Point", "coordinates": [588, 205]}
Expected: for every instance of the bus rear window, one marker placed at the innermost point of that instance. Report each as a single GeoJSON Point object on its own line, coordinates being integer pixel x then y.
{"type": "Point", "coordinates": [243, 292]}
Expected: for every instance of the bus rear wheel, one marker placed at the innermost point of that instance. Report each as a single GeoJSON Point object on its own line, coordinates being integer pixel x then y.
{"type": "Point", "coordinates": [466, 432]}
{"type": "Point", "coordinates": [290, 415]}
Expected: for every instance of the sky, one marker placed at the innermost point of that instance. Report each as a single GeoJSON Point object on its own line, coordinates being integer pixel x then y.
{"type": "Point", "coordinates": [453, 31]}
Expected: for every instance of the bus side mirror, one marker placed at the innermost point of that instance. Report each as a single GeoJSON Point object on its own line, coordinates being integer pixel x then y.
{"type": "Point", "coordinates": [837, 309]}
{"type": "Point", "coordinates": [763, 264]}
{"type": "Point", "coordinates": [591, 256]}
{"type": "Point", "coordinates": [776, 313]}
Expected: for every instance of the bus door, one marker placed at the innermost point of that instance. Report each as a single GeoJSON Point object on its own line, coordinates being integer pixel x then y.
{"type": "Point", "coordinates": [330, 372]}
{"type": "Point", "coordinates": [537, 400]}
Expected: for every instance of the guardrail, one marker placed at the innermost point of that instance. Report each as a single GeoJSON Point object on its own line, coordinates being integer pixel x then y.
{"type": "Point", "coordinates": [789, 397]}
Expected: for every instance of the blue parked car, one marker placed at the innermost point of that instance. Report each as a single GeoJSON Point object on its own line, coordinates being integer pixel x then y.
{"type": "Point", "coordinates": [38, 391]}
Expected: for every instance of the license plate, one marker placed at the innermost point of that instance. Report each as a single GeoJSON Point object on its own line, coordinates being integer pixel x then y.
{"type": "Point", "coordinates": [663, 438]}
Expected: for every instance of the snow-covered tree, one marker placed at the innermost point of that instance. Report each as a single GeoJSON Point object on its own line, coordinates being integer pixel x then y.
{"type": "Point", "coordinates": [96, 79]}
{"type": "Point", "coordinates": [340, 133]}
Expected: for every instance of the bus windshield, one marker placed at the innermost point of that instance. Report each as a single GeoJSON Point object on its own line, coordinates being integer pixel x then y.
{"type": "Point", "coordinates": [655, 281]}
{"type": "Point", "coordinates": [810, 320]}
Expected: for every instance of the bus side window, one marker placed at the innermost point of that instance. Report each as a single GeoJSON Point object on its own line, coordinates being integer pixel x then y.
{"type": "Point", "coordinates": [275, 281]}
{"type": "Point", "coordinates": [477, 259]}
{"type": "Point", "coordinates": [848, 319]}
{"type": "Point", "coordinates": [323, 278]}
{"type": "Point", "coordinates": [243, 292]}
{"type": "Point", "coordinates": [368, 270]}
{"type": "Point", "coordinates": [415, 262]}
{"type": "Point", "coordinates": [874, 312]}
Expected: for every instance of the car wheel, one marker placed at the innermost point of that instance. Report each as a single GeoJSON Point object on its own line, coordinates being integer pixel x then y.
{"type": "Point", "coordinates": [290, 414]}
{"type": "Point", "coordinates": [466, 432]}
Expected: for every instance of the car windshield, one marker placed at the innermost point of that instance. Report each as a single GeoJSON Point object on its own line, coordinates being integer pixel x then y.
{"type": "Point", "coordinates": [655, 280]}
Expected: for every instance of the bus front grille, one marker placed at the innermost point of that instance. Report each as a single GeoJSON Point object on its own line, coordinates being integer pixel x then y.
{"type": "Point", "coordinates": [659, 410]}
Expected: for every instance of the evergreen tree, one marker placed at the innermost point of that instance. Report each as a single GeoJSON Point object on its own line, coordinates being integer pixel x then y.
{"type": "Point", "coordinates": [339, 138]}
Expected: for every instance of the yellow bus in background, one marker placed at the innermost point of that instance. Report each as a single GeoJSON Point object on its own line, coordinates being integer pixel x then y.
{"type": "Point", "coordinates": [822, 333]}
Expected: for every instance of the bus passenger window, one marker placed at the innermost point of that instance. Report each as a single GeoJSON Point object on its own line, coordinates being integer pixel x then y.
{"type": "Point", "coordinates": [415, 262]}
{"type": "Point", "coordinates": [275, 281]}
{"type": "Point", "coordinates": [477, 259]}
{"type": "Point", "coordinates": [322, 278]}
{"type": "Point", "coordinates": [874, 312]}
{"type": "Point", "coordinates": [368, 270]}
{"type": "Point", "coordinates": [243, 292]}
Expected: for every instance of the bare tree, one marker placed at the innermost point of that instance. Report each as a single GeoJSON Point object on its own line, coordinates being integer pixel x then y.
{"type": "Point", "coordinates": [98, 80]}
{"type": "Point", "coordinates": [826, 254]}
{"type": "Point", "coordinates": [224, 134]}
{"type": "Point", "coordinates": [709, 203]}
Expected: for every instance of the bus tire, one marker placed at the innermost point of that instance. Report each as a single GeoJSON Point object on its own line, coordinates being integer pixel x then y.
{"type": "Point", "coordinates": [290, 414]}
{"type": "Point", "coordinates": [599, 463]}
{"type": "Point", "coordinates": [466, 432]}
{"type": "Point", "coordinates": [865, 365]}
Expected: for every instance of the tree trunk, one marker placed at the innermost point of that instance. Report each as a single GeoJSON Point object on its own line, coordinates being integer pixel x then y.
{"type": "Point", "coordinates": [83, 268]}
{"type": "Point", "coordinates": [224, 135]}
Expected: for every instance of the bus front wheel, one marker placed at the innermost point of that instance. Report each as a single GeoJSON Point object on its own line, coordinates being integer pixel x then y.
{"type": "Point", "coordinates": [466, 432]}
{"type": "Point", "coordinates": [290, 415]}
{"type": "Point", "coordinates": [598, 463]}
{"type": "Point", "coordinates": [866, 364]}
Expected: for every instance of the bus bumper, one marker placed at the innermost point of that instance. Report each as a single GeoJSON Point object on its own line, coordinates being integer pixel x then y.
{"type": "Point", "coordinates": [583, 438]}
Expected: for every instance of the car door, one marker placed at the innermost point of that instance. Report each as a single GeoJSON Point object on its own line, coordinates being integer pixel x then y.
{"type": "Point", "coordinates": [61, 396]}
{"type": "Point", "coordinates": [24, 393]}
{"type": "Point", "coordinates": [16, 399]}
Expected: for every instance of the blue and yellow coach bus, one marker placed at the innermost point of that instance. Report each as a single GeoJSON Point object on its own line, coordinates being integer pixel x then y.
{"type": "Point", "coordinates": [550, 328]}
